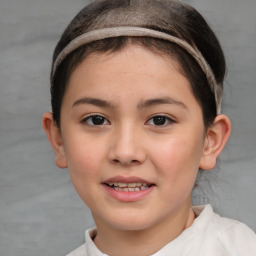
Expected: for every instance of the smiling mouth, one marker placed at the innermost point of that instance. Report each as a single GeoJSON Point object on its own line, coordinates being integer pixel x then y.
{"type": "Point", "coordinates": [128, 187]}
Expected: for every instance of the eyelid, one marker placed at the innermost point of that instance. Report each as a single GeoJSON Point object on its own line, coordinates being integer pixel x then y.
{"type": "Point", "coordinates": [86, 117]}
{"type": "Point", "coordinates": [168, 117]}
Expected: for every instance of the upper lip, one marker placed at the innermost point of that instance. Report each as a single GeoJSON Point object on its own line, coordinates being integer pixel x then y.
{"type": "Point", "coordinates": [130, 179]}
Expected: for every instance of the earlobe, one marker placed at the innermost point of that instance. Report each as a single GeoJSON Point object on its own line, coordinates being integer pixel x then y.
{"type": "Point", "coordinates": [54, 136]}
{"type": "Point", "coordinates": [216, 138]}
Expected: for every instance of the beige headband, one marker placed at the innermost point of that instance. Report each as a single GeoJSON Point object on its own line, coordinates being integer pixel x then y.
{"type": "Point", "coordinates": [104, 33]}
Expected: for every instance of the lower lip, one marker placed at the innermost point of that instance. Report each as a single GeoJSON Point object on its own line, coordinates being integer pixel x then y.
{"type": "Point", "coordinates": [130, 196]}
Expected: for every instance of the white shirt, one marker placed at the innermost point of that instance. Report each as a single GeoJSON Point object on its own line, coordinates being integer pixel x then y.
{"type": "Point", "coordinates": [209, 235]}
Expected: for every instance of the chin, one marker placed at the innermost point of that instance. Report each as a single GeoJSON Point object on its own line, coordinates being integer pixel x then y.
{"type": "Point", "coordinates": [129, 223]}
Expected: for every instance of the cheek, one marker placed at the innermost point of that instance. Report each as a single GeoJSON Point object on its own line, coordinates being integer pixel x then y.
{"type": "Point", "coordinates": [177, 163]}
{"type": "Point", "coordinates": [84, 156]}
{"type": "Point", "coordinates": [178, 158]}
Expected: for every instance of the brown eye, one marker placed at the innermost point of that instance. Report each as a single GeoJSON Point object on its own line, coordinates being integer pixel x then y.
{"type": "Point", "coordinates": [95, 120]}
{"type": "Point", "coordinates": [160, 120]}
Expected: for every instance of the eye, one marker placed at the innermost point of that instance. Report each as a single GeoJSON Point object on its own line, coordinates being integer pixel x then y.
{"type": "Point", "coordinates": [95, 120]}
{"type": "Point", "coordinates": [160, 120]}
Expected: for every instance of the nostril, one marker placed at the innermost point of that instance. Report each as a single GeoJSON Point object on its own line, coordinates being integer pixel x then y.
{"type": "Point", "coordinates": [125, 162]}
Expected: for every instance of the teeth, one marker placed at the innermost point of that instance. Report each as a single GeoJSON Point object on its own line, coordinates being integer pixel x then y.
{"type": "Point", "coordinates": [128, 187]}
{"type": "Point", "coordinates": [131, 185]}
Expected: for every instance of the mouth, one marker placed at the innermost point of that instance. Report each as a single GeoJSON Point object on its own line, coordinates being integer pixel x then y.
{"type": "Point", "coordinates": [129, 187]}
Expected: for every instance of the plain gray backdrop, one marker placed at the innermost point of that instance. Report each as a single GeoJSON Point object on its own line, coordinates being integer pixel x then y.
{"type": "Point", "coordinates": [40, 212]}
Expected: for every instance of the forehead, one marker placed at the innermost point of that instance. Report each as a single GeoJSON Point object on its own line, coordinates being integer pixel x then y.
{"type": "Point", "coordinates": [132, 75]}
{"type": "Point", "coordinates": [136, 63]}
{"type": "Point", "coordinates": [131, 59]}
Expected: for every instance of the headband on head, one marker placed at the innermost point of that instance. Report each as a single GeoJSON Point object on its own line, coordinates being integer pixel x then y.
{"type": "Point", "coordinates": [104, 33]}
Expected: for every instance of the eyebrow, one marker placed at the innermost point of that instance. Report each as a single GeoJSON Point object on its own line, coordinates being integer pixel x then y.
{"type": "Point", "coordinates": [93, 101]}
{"type": "Point", "coordinates": [160, 101]}
{"type": "Point", "coordinates": [142, 104]}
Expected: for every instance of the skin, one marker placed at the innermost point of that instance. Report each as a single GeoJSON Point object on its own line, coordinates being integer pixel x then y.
{"type": "Point", "coordinates": [130, 143]}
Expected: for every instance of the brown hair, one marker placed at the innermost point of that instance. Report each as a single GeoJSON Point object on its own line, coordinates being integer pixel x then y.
{"type": "Point", "coordinates": [171, 17]}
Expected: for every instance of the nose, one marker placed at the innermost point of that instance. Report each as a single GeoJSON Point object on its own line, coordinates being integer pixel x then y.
{"type": "Point", "coordinates": [126, 147]}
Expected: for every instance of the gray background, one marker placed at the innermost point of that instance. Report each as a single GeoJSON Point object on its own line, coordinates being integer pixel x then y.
{"type": "Point", "coordinates": [40, 213]}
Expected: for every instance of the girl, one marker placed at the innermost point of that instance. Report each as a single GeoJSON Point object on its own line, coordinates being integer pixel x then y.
{"type": "Point", "coordinates": [136, 110]}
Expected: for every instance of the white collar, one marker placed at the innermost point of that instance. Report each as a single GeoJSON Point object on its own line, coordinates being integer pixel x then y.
{"type": "Point", "coordinates": [204, 213]}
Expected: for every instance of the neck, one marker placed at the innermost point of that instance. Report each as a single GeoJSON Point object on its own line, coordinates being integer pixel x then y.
{"type": "Point", "coordinates": [113, 242]}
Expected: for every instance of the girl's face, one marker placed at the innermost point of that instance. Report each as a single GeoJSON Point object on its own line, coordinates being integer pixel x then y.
{"type": "Point", "coordinates": [133, 137]}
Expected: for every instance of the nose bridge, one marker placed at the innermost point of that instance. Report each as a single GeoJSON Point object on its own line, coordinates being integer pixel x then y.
{"type": "Point", "coordinates": [127, 147]}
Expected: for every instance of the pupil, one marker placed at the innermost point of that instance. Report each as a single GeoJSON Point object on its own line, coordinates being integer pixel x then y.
{"type": "Point", "coordinates": [159, 120]}
{"type": "Point", "coordinates": [98, 120]}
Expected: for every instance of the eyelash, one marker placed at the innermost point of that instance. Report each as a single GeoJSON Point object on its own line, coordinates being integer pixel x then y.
{"type": "Point", "coordinates": [167, 120]}
{"type": "Point", "coordinates": [90, 117]}
{"type": "Point", "coordinates": [89, 120]}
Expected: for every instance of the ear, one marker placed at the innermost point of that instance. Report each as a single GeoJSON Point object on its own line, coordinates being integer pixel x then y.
{"type": "Point", "coordinates": [54, 136]}
{"type": "Point", "coordinates": [215, 140]}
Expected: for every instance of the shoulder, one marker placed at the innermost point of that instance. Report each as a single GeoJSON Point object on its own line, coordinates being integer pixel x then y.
{"type": "Point", "coordinates": [234, 237]}
{"type": "Point", "coordinates": [80, 251]}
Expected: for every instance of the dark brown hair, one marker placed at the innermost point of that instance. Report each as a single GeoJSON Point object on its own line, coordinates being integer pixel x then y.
{"type": "Point", "coordinates": [169, 16]}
